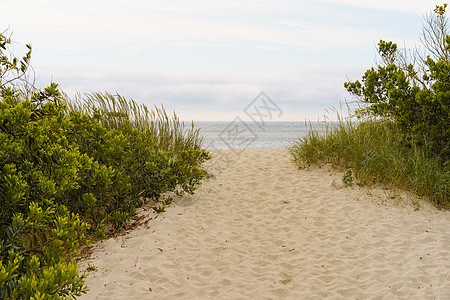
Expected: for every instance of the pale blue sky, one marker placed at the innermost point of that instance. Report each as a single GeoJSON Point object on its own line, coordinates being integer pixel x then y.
{"type": "Point", "coordinates": [208, 59]}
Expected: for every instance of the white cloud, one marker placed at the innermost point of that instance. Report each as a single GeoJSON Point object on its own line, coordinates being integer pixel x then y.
{"type": "Point", "coordinates": [208, 59]}
{"type": "Point", "coordinates": [302, 93]}
{"type": "Point", "coordinates": [261, 24]}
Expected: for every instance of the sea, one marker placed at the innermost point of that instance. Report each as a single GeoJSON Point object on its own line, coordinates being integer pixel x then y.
{"type": "Point", "coordinates": [239, 134]}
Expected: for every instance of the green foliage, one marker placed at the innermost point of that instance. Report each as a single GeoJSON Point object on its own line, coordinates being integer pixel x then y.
{"type": "Point", "coordinates": [375, 153]}
{"type": "Point", "coordinates": [150, 152]}
{"type": "Point", "coordinates": [67, 174]}
{"type": "Point", "coordinates": [159, 209]}
{"type": "Point", "coordinates": [347, 179]}
{"type": "Point", "coordinates": [38, 166]}
{"type": "Point", "coordinates": [141, 169]}
{"type": "Point", "coordinates": [118, 113]}
{"type": "Point", "coordinates": [37, 254]}
{"type": "Point", "coordinates": [12, 68]}
{"type": "Point", "coordinates": [97, 169]}
{"type": "Point", "coordinates": [40, 162]}
{"type": "Point", "coordinates": [415, 96]}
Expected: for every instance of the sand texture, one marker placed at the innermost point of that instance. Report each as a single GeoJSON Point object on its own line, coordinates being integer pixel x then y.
{"type": "Point", "coordinates": [263, 229]}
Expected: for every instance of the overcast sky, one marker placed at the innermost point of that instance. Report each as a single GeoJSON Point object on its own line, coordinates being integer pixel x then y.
{"type": "Point", "coordinates": [208, 59]}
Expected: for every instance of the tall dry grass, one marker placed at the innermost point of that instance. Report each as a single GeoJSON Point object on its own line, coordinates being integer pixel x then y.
{"type": "Point", "coordinates": [168, 132]}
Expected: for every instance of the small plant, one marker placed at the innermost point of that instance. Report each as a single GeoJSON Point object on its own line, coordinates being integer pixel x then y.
{"type": "Point", "coordinates": [348, 177]}
{"type": "Point", "coordinates": [159, 209]}
{"type": "Point", "coordinates": [169, 200]}
{"type": "Point", "coordinates": [91, 268]}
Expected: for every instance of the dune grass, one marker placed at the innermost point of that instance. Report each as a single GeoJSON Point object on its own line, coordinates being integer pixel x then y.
{"type": "Point", "coordinates": [374, 150]}
{"type": "Point", "coordinates": [169, 133]}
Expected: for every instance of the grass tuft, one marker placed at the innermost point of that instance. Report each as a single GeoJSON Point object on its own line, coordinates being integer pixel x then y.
{"type": "Point", "coordinates": [375, 152]}
{"type": "Point", "coordinates": [168, 132]}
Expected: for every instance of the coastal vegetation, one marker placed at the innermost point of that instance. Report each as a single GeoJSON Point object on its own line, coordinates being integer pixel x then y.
{"type": "Point", "coordinates": [73, 171]}
{"type": "Point", "coordinates": [399, 134]}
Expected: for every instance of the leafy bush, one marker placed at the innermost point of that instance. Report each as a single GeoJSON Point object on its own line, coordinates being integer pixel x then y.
{"type": "Point", "coordinates": [141, 169]}
{"type": "Point", "coordinates": [38, 161]}
{"type": "Point", "coordinates": [37, 254]}
{"type": "Point", "coordinates": [66, 174]}
{"type": "Point", "coordinates": [39, 167]}
{"type": "Point", "coordinates": [401, 138]}
{"type": "Point", "coordinates": [415, 96]}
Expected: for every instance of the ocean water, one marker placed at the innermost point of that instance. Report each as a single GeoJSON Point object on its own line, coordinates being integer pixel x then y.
{"type": "Point", "coordinates": [240, 134]}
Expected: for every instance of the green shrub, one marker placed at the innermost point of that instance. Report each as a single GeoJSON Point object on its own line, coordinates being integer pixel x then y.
{"type": "Point", "coordinates": [142, 169]}
{"type": "Point", "coordinates": [402, 136]}
{"type": "Point", "coordinates": [415, 96]}
{"type": "Point", "coordinates": [66, 174]}
{"type": "Point", "coordinates": [38, 161]}
{"type": "Point", "coordinates": [376, 154]}
{"type": "Point", "coordinates": [37, 254]}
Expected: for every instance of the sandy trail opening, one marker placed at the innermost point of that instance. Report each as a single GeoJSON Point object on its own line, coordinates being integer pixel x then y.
{"type": "Point", "coordinates": [263, 229]}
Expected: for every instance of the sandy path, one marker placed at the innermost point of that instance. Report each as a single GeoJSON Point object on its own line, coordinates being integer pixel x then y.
{"type": "Point", "coordinates": [262, 229]}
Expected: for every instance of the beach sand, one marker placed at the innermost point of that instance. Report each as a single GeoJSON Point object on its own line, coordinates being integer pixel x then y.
{"type": "Point", "coordinates": [264, 229]}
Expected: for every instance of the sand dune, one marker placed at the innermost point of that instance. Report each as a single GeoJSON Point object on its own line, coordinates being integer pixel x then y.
{"type": "Point", "coordinates": [263, 229]}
